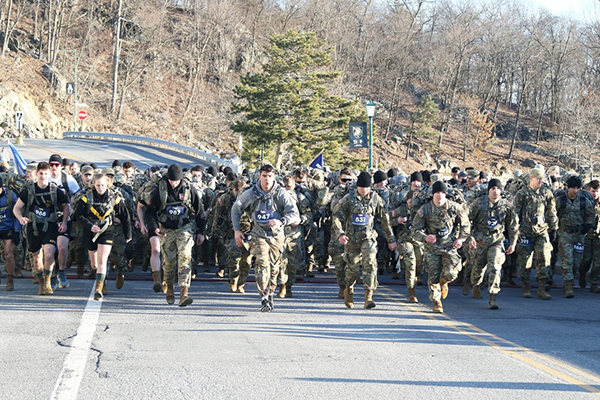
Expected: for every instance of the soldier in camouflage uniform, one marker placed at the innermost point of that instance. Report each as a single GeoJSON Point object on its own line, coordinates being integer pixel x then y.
{"type": "Point", "coordinates": [142, 249]}
{"type": "Point", "coordinates": [270, 209]}
{"type": "Point", "coordinates": [591, 250]}
{"type": "Point", "coordinates": [442, 225]}
{"type": "Point", "coordinates": [400, 218]}
{"type": "Point", "coordinates": [536, 209]}
{"type": "Point", "coordinates": [294, 254]}
{"type": "Point", "coordinates": [120, 255]}
{"type": "Point", "coordinates": [471, 192]}
{"type": "Point", "coordinates": [387, 261]}
{"type": "Point", "coordinates": [576, 216]}
{"type": "Point", "coordinates": [177, 209]}
{"type": "Point", "coordinates": [491, 218]}
{"type": "Point", "coordinates": [329, 201]}
{"type": "Point", "coordinates": [77, 248]}
{"type": "Point", "coordinates": [354, 227]}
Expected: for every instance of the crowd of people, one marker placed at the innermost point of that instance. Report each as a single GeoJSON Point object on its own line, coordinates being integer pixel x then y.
{"type": "Point", "coordinates": [289, 224]}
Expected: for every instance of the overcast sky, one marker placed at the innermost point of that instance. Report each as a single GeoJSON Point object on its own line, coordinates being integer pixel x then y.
{"type": "Point", "coordinates": [578, 7]}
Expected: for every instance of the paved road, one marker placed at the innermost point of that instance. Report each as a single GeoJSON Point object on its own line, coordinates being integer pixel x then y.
{"type": "Point", "coordinates": [310, 346]}
{"type": "Point", "coordinates": [103, 153]}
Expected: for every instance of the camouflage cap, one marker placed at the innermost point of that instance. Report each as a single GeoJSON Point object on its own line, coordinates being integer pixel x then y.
{"type": "Point", "coordinates": [87, 170]}
{"type": "Point", "coordinates": [537, 173]}
{"type": "Point", "coordinates": [108, 171]}
{"type": "Point", "coordinates": [120, 178]}
{"type": "Point", "coordinates": [517, 173]}
{"type": "Point", "coordinates": [555, 169]}
{"type": "Point", "coordinates": [473, 174]}
{"type": "Point", "coordinates": [436, 177]}
{"type": "Point", "coordinates": [32, 166]}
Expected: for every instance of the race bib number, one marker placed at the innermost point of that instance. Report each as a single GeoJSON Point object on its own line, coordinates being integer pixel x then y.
{"type": "Point", "coordinates": [578, 247]}
{"type": "Point", "coordinates": [175, 211]}
{"type": "Point", "coordinates": [263, 215]}
{"type": "Point", "coordinates": [41, 212]}
{"type": "Point", "coordinates": [491, 222]}
{"type": "Point", "coordinates": [525, 241]}
{"type": "Point", "coordinates": [443, 232]}
{"type": "Point", "coordinates": [360, 219]}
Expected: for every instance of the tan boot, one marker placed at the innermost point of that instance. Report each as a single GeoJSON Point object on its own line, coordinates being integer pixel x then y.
{"type": "Point", "coordinates": [10, 285]}
{"type": "Point", "coordinates": [369, 303]}
{"type": "Point", "coordinates": [184, 299]}
{"type": "Point", "coordinates": [18, 273]}
{"type": "Point", "coordinates": [119, 281]}
{"type": "Point", "coordinates": [493, 304]}
{"type": "Point", "coordinates": [526, 290]}
{"type": "Point", "coordinates": [541, 292]}
{"type": "Point", "coordinates": [170, 293]}
{"type": "Point", "coordinates": [233, 285]}
{"type": "Point", "coordinates": [288, 292]}
{"type": "Point", "coordinates": [36, 280]}
{"type": "Point", "coordinates": [157, 285]}
{"type": "Point", "coordinates": [98, 290]}
{"type": "Point", "coordinates": [341, 292]}
{"type": "Point", "coordinates": [48, 284]}
{"type": "Point", "coordinates": [594, 288]}
{"type": "Point", "coordinates": [104, 288]}
{"type": "Point", "coordinates": [569, 294]}
{"type": "Point", "coordinates": [241, 289]}
{"type": "Point", "coordinates": [348, 297]}
{"type": "Point", "coordinates": [476, 292]}
{"type": "Point", "coordinates": [412, 297]}
{"type": "Point", "coordinates": [466, 288]}
{"type": "Point", "coordinates": [281, 293]}
{"type": "Point", "coordinates": [42, 283]}
{"type": "Point", "coordinates": [444, 288]}
{"type": "Point", "coordinates": [437, 307]}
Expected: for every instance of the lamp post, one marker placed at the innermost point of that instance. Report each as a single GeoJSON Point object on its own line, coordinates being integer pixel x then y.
{"type": "Point", "coordinates": [370, 107]}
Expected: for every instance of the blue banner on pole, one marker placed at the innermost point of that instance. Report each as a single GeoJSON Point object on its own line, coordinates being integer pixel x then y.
{"type": "Point", "coordinates": [318, 161]}
{"type": "Point", "coordinates": [20, 164]}
{"type": "Point", "coordinates": [358, 135]}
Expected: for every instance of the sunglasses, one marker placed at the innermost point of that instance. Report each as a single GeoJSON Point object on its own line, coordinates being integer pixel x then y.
{"type": "Point", "coordinates": [345, 180]}
{"type": "Point", "coordinates": [55, 164]}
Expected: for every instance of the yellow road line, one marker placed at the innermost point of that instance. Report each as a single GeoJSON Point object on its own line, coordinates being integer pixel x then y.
{"type": "Point", "coordinates": [454, 325]}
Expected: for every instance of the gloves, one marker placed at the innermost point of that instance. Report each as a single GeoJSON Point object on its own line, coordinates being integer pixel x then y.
{"type": "Point", "coordinates": [553, 235]}
{"type": "Point", "coordinates": [585, 228]}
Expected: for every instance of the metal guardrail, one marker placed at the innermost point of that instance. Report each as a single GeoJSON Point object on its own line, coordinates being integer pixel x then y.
{"type": "Point", "coordinates": [163, 144]}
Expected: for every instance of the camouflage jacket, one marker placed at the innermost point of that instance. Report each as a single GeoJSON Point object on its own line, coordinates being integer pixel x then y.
{"type": "Point", "coordinates": [490, 222]}
{"type": "Point", "coordinates": [536, 210]}
{"type": "Point", "coordinates": [573, 214]}
{"type": "Point", "coordinates": [448, 223]}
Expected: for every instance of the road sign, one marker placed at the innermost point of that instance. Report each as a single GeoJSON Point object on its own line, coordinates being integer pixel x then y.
{"type": "Point", "coordinates": [19, 119]}
{"type": "Point", "coordinates": [82, 115]}
{"type": "Point", "coordinates": [70, 88]}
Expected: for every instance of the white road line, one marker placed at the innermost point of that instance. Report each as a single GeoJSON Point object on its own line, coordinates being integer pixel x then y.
{"type": "Point", "coordinates": [70, 377]}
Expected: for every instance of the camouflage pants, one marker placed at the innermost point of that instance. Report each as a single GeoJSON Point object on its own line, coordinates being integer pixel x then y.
{"type": "Point", "coordinates": [77, 248]}
{"type": "Point", "coordinates": [117, 252]}
{"type": "Point", "coordinates": [491, 255]}
{"type": "Point", "coordinates": [176, 248]}
{"type": "Point", "coordinates": [469, 261]}
{"type": "Point", "coordinates": [309, 247]}
{"type": "Point", "coordinates": [406, 251]}
{"type": "Point", "coordinates": [591, 257]}
{"type": "Point", "coordinates": [267, 252]}
{"type": "Point", "coordinates": [336, 250]}
{"type": "Point", "coordinates": [220, 249]}
{"type": "Point", "coordinates": [570, 249]}
{"type": "Point", "coordinates": [441, 264]}
{"type": "Point", "coordinates": [294, 260]}
{"type": "Point", "coordinates": [353, 253]}
{"type": "Point", "coordinates": [541, 247]}
{"type": "Point", "coordinates": [238, 261]}
{"type": "Point", "coordinates": [419, 257]}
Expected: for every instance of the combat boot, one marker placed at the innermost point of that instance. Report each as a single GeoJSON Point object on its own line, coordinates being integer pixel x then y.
{"type": "Point", "coordinates": [348, 297]}
{"type": "Point", "coordinates": [444, 288]}
{"type": "Point", "coordinates": [437, 307]}
{"type": "Point", "coordinates": [79, 271]}
{"type": "Point", "coordinates": [145, 264]}
{"type": "Point", "coordinates": [119, 281]}
{"type": "Point", "coordinates": [157, 286]}
{"type": "Point", "coordinates": [104, 288]}
{"type": "Point", "coordinates": [48, 284]}
{"type": "Point", "coordinates": [233, 285]}
{"type": "Point", "coordinates": [466, 288]}
{"type": "Point", "coordinates": [493, 304]}
{"type": "Point", "coordinates": [35, 280]}
{"type": "Point", "coordinates": [582, 280]}
{"type": "Point", "coordinates": [241, 289]}
{"type": "Point", "coordinates": [42, 283]}
{"type": "Point", "coordinates": [281, 293]}
{"type": "Point", "coordinates": [476, 291]}
{"type": "Point", "coordinates": [526, 290]}
{"type": "Point", "coordinates": [206, 266]}
{"type": "Point", "coordinates": [594, 288]}
{"type": "Point", "coordinates": [18, 273]}
{"type": "Point", "coordinates": [10, 285]}
{"type": "Point", "coordinates": [412, 297]}
{"type": "Point", "coordinates": [541, 292]}
{"type": "Point", "coordinates": [369, 303]}
{"type": "Point", "coordinates": [98, 290]}
{"type": "Point", "coordinates": [341, 292]}
{"type": "Point", "coordinates": [288, 292]}
{"type": "Point", "coordinates": [184, 299]}
{"type": "Point", "coordinates": [569, 294]}
{"type": "Point", "coordinates": [170, 294]}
